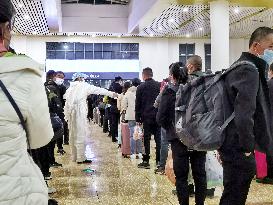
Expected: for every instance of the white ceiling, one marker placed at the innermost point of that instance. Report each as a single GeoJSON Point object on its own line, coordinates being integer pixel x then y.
{"type": "Point", "coordinates": [175, 21]}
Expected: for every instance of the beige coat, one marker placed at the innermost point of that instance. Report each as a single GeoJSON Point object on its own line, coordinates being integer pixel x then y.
{"type": "Point", "coordinates": [21, 180]}
{"type": "Point", "coordinates": [128, 103]}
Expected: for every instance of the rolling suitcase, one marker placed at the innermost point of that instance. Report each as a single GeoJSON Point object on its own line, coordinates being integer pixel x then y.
{"type": "Point", "coordinates": [261, 164]}
{"type": "Point", "coordinates": [125, 140]}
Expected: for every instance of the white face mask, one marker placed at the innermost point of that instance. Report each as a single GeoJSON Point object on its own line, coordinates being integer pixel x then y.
{"type": "Point", "coordinates": [59, 81]}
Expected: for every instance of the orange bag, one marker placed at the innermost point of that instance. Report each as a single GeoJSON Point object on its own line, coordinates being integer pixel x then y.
{"type": "Point", "coordinates": [169, 168]}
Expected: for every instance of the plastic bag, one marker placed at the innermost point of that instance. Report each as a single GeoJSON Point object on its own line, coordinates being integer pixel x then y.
{"type": "Point", "coordinates": [214, 170]}
{"type": "Point", "coordinates": [138, 133]}
{"type": "Point", "coordinates": [169, 168]}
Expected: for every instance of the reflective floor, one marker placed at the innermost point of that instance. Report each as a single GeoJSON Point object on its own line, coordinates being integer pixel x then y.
{"type": "Point", "coordinates": [118, 181]}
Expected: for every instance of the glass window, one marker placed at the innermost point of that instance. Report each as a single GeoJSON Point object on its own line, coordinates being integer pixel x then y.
{"type": "Point", "coordinates": [51, 54]}
{"type": "Point", "coordinates": [89, 55]}
{"type": "Point", "coordinates": [79, 55]}
{"type": "Point", "coordinates": [134, 55]}
{"type": "Point", "coordinates": [134, 47]}
{"type": "Point", "coordinates": [51, 45]}
{"type": "Point", "coordinates": [98, 47]}
{"type": "Point", "coordinates": [89, 47]}
{"type": "Point", "coordinates": [116, 47]}
{"type": "Point", "coordinates": [97, 55]}
{"type": "Point", "coordinates": [116, 55]}
{"type": "Point", "coordinates": [70, 55]}
{"type": "Point", "coordinates": [107, 55]}
{"type": "Point", "coordinates": [125, 47]}
{"type": "Point", "coordinates": [60, 54]}
{"type": "Point", "coordinates": [79, 46]}
{"type": "Point", "coordinates": [107, 47]}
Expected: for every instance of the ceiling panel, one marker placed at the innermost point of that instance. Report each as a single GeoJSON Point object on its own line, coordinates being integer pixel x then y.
{"type": "Point", "coordinates": [30, 18]}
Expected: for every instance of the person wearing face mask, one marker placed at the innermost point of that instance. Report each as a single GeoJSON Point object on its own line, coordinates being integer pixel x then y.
{"type": "Point", "coordinates": [59, 80]}
{"type": "Point", "coordinates": [247, 90]}
{"type": "Point", "coordinates": [53, 87]}
{"type": "Point", "coordinates": [76, 114]}
{"type": "Point", "coordinates": [21, 180]}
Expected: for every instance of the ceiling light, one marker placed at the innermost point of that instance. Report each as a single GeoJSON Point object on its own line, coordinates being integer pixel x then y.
{"type": "Point", "coordinates": [94, 35]}
{"type": "Point", "coordinates": [188, 35]}
{"type": "Point", "coordinates": [20, 5]}
{"type": "Point", "coordinates": [200, 29]}
{"type": "Point", "coordinates": [160, 28]}
{"type": "Point", "coordinates": [65, 46]}
{"type": "Point", "coordinates": [151, 34]}
{"type": "Point", "coordinates": [26, 17]}
{"type": "Point", "coordinates": [237, 10]}
{"type": "Point", "coordinates": [186, 9]}
{"type": "Point", "coordinates": [34, 33]}
{"type": "Point", "coordinates": [119, 36]}
{"type": "Point", "coordinates": [171, 20]}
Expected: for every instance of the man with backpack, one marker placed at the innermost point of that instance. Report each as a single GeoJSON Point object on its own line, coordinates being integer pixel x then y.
{"type": "Point", "coordinates": [182, 155]}
{"type": "Point", "coordinates": [247, 91]}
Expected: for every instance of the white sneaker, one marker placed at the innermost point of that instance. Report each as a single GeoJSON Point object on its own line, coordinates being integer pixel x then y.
{"type": "Point", "coordinates": [140, 156]}
{"type": "Point", "coordinates": [51, 190]}
{"type": "Point", "coordinates": [133, 156]}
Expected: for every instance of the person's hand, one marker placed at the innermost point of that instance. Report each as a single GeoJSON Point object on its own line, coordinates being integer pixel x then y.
{"type": "Point", "coordinates": [115, 95]}
{"type": "Point", "coordinates": [248, 154]}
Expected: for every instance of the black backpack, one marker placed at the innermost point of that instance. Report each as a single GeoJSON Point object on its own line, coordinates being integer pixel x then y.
{"type": "Point", "coordinates": [203, 111]}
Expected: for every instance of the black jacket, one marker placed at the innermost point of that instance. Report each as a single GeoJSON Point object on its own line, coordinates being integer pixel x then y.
{"type": "Point", "coordinates": [145, 97]}
{"type": "Point", "coordinates": [166, 112]}
{"type": "Point", "coordinates": [270, 86]}
{"type": "Point", "coordinates": [55, 102]}
{"type": "Point", "coordinates": [116, 87]}
{"type": "Point", "coordinates": [249, 98]}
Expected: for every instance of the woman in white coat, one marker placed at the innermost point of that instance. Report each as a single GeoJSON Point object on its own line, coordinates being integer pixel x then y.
{"type": "Point", "coordinates": [76, 114]}
{"type": "Point", "coordinates": [21, 181]}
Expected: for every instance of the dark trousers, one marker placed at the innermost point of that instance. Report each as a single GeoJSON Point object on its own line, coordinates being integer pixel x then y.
{"type": "Point", "coordinates": [181, 159]}
{"type": "Point", "coordinates": [105, 124]}
{"type": "Point", "coordinates": [41, 158]}
{"type": "Point", "coordinates": [151, 128]}
{"type": "Point", "coordinates": [239, 171]}
{"type": "Point", "coordinates": [114, 125]}
{"type": "Point", "coordinates": [269, 160]}
{"type": "Point", "coordinates": [51, 147]}
{"type": "Point", "coordinates": [66, 132]}
{"type": "Point", "coordinates": [60, 140]}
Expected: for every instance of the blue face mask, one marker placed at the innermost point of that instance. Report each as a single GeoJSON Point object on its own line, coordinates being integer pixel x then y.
{"type": "Point", "coordinates": [267, 56]}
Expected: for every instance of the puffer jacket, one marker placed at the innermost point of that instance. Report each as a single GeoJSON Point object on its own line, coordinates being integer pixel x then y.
{"type": "Point", "coordinates": [128, 103]}
{"type": "Point", "coordinates": [21, 180]}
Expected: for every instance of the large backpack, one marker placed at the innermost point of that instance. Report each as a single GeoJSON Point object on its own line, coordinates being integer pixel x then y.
{"type": "Point", "coordinates": [203, 111]}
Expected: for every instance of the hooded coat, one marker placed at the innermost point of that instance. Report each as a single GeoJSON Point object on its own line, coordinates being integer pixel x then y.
{"type": "Point", "coordinates": [21, 180]}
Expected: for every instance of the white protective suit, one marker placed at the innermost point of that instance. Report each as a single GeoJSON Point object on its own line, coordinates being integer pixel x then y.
{"type": "Point", "coordinates": [21, 181]}
{"type": "Point", "coordinates": [76, 114]}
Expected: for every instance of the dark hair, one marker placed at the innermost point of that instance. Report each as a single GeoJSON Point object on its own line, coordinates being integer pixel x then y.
{"type": "Point", "coordinates": [259, 34]}
{"type": "Point", "coordinates": [148, 72]}
{"type": "Point", "coordinates": [118, 78]}
{"type": "Point", "coordinates": [60, 72]}
{"type": "Point", "coordinates": [136, 82]}
{"type": "Point", "coordinates": [7, 11]}
{"type": "Point", "coordinates": [196, 61]}
{"type": "Point", "coordinates": [179, 72]}
{"type": "Point", "coordinates": [50, 74]}
{"type": "Point", "coordinates": [126, 86]}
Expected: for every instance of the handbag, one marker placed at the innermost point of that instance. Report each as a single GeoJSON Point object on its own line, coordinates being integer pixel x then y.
{"type": "Point", "coordinates": [19, 113]}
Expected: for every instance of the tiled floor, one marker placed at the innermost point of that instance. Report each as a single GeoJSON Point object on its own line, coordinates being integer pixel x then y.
{"type": "Point", "coordinates": [117, 181]}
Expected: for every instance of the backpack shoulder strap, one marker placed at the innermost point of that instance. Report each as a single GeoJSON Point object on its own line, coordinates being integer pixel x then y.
{"type": "Point", "coordinates": [17, 109]}
{"type": "Point", "coordinates": [237, 64]}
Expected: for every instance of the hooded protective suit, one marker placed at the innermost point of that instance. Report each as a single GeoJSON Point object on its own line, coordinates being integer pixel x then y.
{"type": "Point", "coordinates": [76, 114]}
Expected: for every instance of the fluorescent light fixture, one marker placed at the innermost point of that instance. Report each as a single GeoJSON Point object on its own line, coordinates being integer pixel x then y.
{"type": "Point", "coordinates": [26, 17]}
{"type": "Point", "coordinates": [186, 9]}
{"type": "Point", "coordinates": [94, 35]}
{"type": "Point", "coordinates": [20, 5]}
{"type": "Point", "coordinates": [236, 10]}
{"type": "Point", "coordinates": [171, 20]}
{"type": "Point", "coordinates": [200, 29]}
{"type": "Point", "coordinates": [34, 32]}
{"type": "Point", "coordinates": [188, 35]}
{"type": "Point", "coordinates": [160, 28]}
{"type": "Point", "coordinates": [151, 34]}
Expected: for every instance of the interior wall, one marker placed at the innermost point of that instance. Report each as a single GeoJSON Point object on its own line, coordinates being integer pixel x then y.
{"type": "Point", "coordinates": [157, 53]}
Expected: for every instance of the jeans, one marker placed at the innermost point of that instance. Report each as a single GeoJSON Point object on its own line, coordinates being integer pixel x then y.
{"type": "Point", "coordinates": [151, 128]}
{"type": "Point", "coordinates": [164, 148]}
{"type": "Point", "coordinates": [136, 145]}
{"type": "Point", "coordinates": [239, 171]}
{"type": "Point", "coordinates": [181, 159]}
